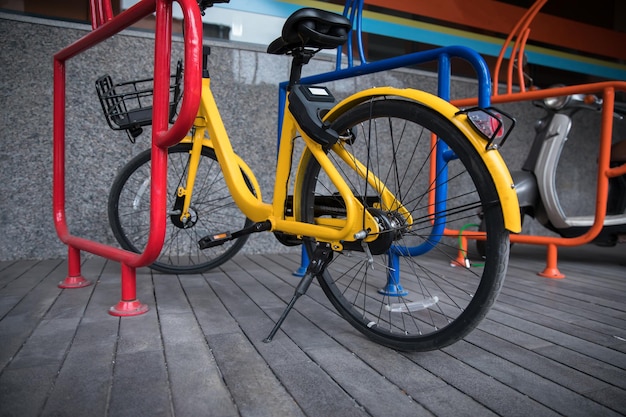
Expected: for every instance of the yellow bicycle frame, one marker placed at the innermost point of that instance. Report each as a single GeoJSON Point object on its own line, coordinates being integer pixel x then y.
{"type": "Point", "coordinates": [198, 140]}
{"type": "Point", "coordinates": [250, 202]}
{"type": "Point", "coordinates": [252, 205]}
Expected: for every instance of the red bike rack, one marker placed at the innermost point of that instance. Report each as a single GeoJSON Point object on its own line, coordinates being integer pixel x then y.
{"type": "Point", "coordinates": [104, 26]}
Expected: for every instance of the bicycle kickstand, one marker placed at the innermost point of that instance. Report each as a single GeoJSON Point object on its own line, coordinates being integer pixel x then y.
{"type": "Point", "coordinates": [322, 255]}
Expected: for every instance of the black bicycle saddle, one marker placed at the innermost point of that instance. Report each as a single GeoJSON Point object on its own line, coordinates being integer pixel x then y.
{"type": "Point", "coordinates": [311, 28]}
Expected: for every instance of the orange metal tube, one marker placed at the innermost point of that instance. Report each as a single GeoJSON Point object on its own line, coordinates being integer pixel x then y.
{"type": "Point", "coordinates": [551, 270]}
{"type": "Point", "coordinates": [520, 61]}
{"type": "Point", "coordinates": [519, 27]}
{"type": "Point", "coordinates": [617, 171]}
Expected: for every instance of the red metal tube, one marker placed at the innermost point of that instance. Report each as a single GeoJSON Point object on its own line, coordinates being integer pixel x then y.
{"type": "Point", "coordinates": [192, 78]}
{"type": "Point", "coordinates": [161, 139]}
{"type": "Point", "coordinates": [105, 26]}
{"type": "Point", "coordinates": [74, 278]}
{"type": "Point", "coordinates": [101, 12]}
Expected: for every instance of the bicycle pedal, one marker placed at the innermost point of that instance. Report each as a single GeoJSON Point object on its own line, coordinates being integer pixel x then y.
{"type": "Point", "coordinates": [220, 238]}
{"type": "Point", "coordinates": [214, 240]}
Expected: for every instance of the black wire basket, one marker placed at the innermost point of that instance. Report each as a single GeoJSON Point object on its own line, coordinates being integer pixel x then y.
{"type": "Point", "coordinates": [128, 106]}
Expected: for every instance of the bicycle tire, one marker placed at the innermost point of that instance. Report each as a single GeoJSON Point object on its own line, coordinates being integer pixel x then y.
{"type": "Point", "coordinates": [213, 210]}
{"type": "Point", "coordinates": [399, 316]}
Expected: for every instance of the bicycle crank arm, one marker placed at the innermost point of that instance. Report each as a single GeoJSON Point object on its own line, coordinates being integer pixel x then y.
{"type": "Point", "coordinates": [217, 239]}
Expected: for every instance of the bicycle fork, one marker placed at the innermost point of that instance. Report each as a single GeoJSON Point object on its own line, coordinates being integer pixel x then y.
{"type": "Point", "coordinates": [181, 214]}
{"type": "Point", "coordinates": [322, 255]}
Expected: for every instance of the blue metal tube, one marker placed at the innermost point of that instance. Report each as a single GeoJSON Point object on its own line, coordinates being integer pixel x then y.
{"type": "Point", "coordinates": [471, 56]}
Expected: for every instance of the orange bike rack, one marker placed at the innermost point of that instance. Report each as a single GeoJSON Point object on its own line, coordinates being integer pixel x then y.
{"type": "Point", "coordinates": [104, 26]}
{"type": "Point", "coordinates": [607, 89]}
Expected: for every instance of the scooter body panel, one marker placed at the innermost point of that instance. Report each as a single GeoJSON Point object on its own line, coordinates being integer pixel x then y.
{"type": "Point", "coordinates": [526, 188]}
{"type": "Point", "coordinates": [536, 184]}
{"type": "Point", "coordinates": [545, 168]}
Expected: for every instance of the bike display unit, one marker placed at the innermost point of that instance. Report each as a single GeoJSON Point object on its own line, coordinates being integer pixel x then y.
{"type": "Point", "coordinates": [607, 91]}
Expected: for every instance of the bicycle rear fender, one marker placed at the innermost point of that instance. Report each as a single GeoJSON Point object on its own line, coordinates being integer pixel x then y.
{"type": "Point", "coordinates": [505, 186]}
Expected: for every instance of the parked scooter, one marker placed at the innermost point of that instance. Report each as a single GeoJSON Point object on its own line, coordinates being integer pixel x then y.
{"type": "Point", "coordinates": [536, 182]}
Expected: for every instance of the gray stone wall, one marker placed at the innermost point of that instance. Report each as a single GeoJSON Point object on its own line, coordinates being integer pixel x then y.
{"type": "Point", "coordinates": [244, 81]}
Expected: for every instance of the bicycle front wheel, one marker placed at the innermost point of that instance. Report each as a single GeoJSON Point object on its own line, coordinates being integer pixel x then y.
{"type": "Point", "coordinates": [408, 290]}
{"type": "Point", "coordinates": [212, 211]}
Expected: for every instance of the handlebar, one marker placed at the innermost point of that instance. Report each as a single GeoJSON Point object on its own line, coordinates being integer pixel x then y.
{"type": "Point", "coordinates": [575, 102]}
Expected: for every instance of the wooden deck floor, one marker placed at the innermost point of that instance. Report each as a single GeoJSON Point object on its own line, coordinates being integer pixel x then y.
{"type": "Point", "coordinates": [548, 347]}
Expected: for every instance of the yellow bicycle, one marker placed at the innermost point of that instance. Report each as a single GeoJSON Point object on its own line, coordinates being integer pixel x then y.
{"type": "Point", "coordinates": [383, 177]}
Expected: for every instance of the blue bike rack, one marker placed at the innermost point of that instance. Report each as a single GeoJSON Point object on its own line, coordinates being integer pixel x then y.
{"type": "Point", "coordinates": [353, 10]}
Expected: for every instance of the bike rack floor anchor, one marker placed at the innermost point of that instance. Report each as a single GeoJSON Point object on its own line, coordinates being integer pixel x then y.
{"type": "Point", "coordinates": [74, 282]}
{"type": "Point", "coordinates": [552, 270]}
{"type": "Point", "coordinates": [393, 288]}
{"type": "Point", "coordinates": [129, 305]}
{"type": "Point", "coordinates": [304, 263]}
{"type": "Point", "coordinates": [74, 278]}
{"type": "Point", "coordinates": [128, 308]}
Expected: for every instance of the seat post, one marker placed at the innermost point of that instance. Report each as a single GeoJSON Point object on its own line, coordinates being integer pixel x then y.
{"type": "Point", "coordinates": [301, 57]}
{"type": "Point", "coordinates": [206, 51]}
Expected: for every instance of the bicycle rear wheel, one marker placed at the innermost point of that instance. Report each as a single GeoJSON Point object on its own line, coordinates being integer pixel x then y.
{"type": "Point", "coordinates": [212, 210]}
{"type": "Point", "coordinates": [408, 296]}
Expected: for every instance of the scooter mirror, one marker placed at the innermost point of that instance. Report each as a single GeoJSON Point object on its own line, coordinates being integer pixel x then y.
{"type": "Point", "coordinates": [556, 103]}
